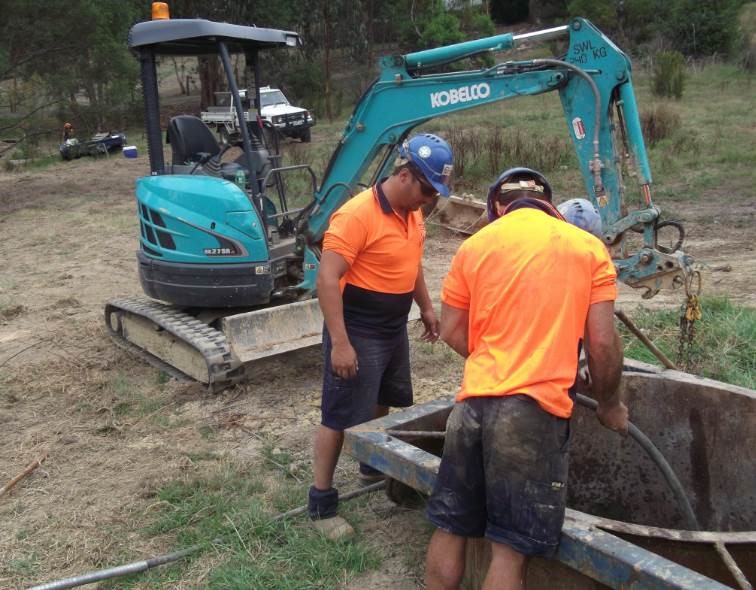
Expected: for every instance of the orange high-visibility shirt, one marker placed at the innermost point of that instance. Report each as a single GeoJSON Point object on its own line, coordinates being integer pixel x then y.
{"type": "Point", "coordinates": [527, 281]}
{"type": "Point", "coordinates": [383, 250]}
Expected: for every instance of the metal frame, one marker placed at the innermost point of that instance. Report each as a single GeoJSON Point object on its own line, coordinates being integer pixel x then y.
{"type": "Point", "coordinates": [586, 546]}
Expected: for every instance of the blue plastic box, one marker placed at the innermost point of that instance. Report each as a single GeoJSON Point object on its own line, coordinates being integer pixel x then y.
{"type": "Point", "coordinates": [130, 151]}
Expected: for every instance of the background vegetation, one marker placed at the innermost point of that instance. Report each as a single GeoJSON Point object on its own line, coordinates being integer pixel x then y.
{"type": "Point", "coordinates": [69, 61]}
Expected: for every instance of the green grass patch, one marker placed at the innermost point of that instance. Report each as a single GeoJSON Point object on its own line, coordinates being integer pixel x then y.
{"type": "Point", "coordinates": [234, 506]}
{"type": "Point", "coordinates": [26, 566]}
{"type": "Point", "coordinates": [724, 346]}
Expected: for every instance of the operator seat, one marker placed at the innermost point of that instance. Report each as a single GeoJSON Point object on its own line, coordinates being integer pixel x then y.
{"type": "Point", "coordinates": [192, 142]}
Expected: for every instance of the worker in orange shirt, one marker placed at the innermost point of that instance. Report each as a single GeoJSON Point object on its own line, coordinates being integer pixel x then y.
{"type": "Point", "coordinates": [520, 296]}
{"type": "Point", "coordinates": [370, 272]}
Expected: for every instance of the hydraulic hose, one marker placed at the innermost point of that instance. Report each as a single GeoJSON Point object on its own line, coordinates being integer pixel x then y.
{"type": "Point", "coordinates": [677, 489]}
{"type": "Point", "coordinates": [655, 455]}
{"type": "Point", "coordinates": [598, 185]}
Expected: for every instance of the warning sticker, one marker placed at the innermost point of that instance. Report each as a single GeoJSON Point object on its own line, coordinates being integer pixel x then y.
{"type": "Point", "coordinates": [578, 127]}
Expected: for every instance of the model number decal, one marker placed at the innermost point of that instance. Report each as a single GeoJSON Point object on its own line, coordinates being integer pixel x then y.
{"type": "Point", "coordinates": [219, 251]}
{"type": "Point", "coordinates": [443, 98]}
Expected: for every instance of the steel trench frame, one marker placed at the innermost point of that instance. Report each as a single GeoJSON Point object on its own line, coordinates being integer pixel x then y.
{"type": "Point", "coordinates": [584, 547]}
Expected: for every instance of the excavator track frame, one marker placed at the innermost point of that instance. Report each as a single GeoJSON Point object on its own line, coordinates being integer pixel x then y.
{"type": "Point", "coordinates": [158, 331]}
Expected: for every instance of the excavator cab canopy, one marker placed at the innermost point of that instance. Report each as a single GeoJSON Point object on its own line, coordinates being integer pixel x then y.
{"type": "Point", "coordinates": [201, 37]}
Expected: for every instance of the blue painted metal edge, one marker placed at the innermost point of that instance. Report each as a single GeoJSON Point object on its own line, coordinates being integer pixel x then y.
{"type": "Point", "coordinates": [593, 552]}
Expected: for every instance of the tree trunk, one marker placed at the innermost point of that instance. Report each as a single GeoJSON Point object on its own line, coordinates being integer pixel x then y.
{"type": "Point", "coordinates": [210, 76]}
{"type": "Point", "coordinates": [179, 76]}
{"type": "Point", "coordinates": [327, 59]}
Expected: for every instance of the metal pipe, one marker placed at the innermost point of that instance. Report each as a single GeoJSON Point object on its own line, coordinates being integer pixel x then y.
{"type": "Point", "coordinates": [152, 111]}
{"type": "Point", "coordinates": [142, 566]}
{"type": "Point", "coordinates": [226, 59]}
{"type": "Point", "coordinates": [544, 35]}
{"type": "Point", "coordinates": [417, 433]}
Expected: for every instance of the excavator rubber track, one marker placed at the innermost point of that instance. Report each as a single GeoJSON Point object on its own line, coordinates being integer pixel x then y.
{"type": "Point", "coordinates": [157, 331]}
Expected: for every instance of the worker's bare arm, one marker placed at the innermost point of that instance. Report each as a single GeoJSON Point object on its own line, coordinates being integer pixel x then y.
{"type": "Point", "coordinates": [603, 351]}
{"type": "Point", "coordinates": [427, 313]}
{"type": "Point", "coordinates": [343, 357]}
{"type": "Point", "coordinates": [454, 326]}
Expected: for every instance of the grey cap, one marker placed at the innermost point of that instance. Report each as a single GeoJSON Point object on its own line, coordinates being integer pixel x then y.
{"type": "Point", "coordinates": [583, 214]}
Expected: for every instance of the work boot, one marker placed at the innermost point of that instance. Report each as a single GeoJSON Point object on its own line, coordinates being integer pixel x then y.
{"type": "Point", "coordinates": [322, 506]}
{"type": "Point", "coordinates": [369, 475]}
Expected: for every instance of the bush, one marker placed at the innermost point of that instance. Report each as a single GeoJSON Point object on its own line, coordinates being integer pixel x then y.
{"type": "Point", "coordinates": [442, 29]}
{"type": "Point", "coordinates": [602, 13]}
{"type": "Point", "coordinates": [668, 78]}
{"type": "Point", "coordinates": [701, 27]}
{"type": "Point", "coordinates": [659, 123]}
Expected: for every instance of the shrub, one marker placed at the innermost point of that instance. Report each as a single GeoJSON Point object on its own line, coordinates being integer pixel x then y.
{"type": "Point", "coordinates": [668, 77]}
{"type": "Point", "coordinates": [701, 27]}
{"type": "Point", "coordinates": [659, 123]}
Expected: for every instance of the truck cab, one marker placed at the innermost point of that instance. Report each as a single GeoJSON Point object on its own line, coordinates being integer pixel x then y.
{"type": "Point", "coordinates": [278, 115]}
{"type": "Point", "coordinates": [287, 119]}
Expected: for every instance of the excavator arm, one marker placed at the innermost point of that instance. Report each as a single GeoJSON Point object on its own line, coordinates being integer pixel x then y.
{"type": "Point", "coordinates": [595, 87]}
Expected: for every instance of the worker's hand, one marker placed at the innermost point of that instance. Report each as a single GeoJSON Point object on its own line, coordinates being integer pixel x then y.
{"type": "Point", "coordinates": [431, 323]}
{"type": "Point", "coordinates": [344, 361]}
{"type": "Point", "coordinates": [613, 415]}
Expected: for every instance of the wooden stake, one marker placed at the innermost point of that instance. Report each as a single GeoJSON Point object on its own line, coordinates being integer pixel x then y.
{"type": "Point", "coordinates": [25, 473]}
{"type": "Point", "coordinates": [644, 339]}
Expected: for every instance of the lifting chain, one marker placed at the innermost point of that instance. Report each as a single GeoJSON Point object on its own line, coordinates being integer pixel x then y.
{"type": "Point", "coordinates": [690, 314]}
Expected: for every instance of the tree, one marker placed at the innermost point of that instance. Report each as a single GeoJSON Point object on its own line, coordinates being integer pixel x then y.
{"type": "Point", "coordinates": [73, 49]}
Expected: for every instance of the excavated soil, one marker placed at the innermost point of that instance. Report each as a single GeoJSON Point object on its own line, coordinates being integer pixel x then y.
{"type": "Point", "coordinates": [69, 235]}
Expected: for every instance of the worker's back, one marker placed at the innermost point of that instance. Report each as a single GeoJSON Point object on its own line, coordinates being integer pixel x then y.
{"type": "Point", "coordinates": [528, 280]}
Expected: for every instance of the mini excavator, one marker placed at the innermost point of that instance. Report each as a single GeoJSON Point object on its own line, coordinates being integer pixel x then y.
{"type": "Point", "coordinates": [229, 267]}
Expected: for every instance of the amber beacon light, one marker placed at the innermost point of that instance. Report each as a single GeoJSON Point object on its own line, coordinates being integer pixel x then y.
{"type": "Point", "coordinates": [160, 11]}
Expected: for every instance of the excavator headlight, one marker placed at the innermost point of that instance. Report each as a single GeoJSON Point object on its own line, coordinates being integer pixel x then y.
{"type": "Point", "coordinates": [160, 11]}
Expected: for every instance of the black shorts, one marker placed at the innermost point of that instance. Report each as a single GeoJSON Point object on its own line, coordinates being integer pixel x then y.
{"type": "Point", "coordinates": [383, 378]}
{"type": "Point", "coordinates": [503, 474]}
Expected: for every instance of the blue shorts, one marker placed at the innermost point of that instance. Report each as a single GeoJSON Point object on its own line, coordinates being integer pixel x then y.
{"type": "Point", "coordinates": [383, 378]}
{"type": "Point", "coordinates": [503, 474]}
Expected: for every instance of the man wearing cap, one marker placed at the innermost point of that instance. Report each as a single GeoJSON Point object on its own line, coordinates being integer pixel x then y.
{"type": "Point", "coordinates": [518, 299]}
{"type": "Point", "coordinates": [370, 272]}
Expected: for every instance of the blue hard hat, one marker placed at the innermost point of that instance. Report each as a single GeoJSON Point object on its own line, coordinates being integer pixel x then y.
{"type": "Point", "coordinates": [583, 214]}
{"type": "Point", "coordinates": [432, 156]}
{"type": "Point", "coordinates": [505, 177]}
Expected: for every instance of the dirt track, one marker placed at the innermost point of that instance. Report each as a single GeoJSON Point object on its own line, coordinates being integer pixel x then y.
{"type": "Point", "coordinates": [69, 237]}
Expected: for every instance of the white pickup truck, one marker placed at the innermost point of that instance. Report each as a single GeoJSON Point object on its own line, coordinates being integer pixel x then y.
{"type": "Point", "coordinates": [277, 114]}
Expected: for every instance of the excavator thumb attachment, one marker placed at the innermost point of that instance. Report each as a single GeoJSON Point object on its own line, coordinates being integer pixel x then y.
{"type": "Point", "coordinates": [460, 214]}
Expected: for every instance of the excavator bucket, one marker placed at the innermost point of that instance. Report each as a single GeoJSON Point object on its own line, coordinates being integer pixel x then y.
{"type": "Point", "coordinates": [465, 215]}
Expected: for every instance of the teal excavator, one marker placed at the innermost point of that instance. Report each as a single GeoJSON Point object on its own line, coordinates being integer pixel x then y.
{"type": "Point", "coordinates": [230, 267]}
